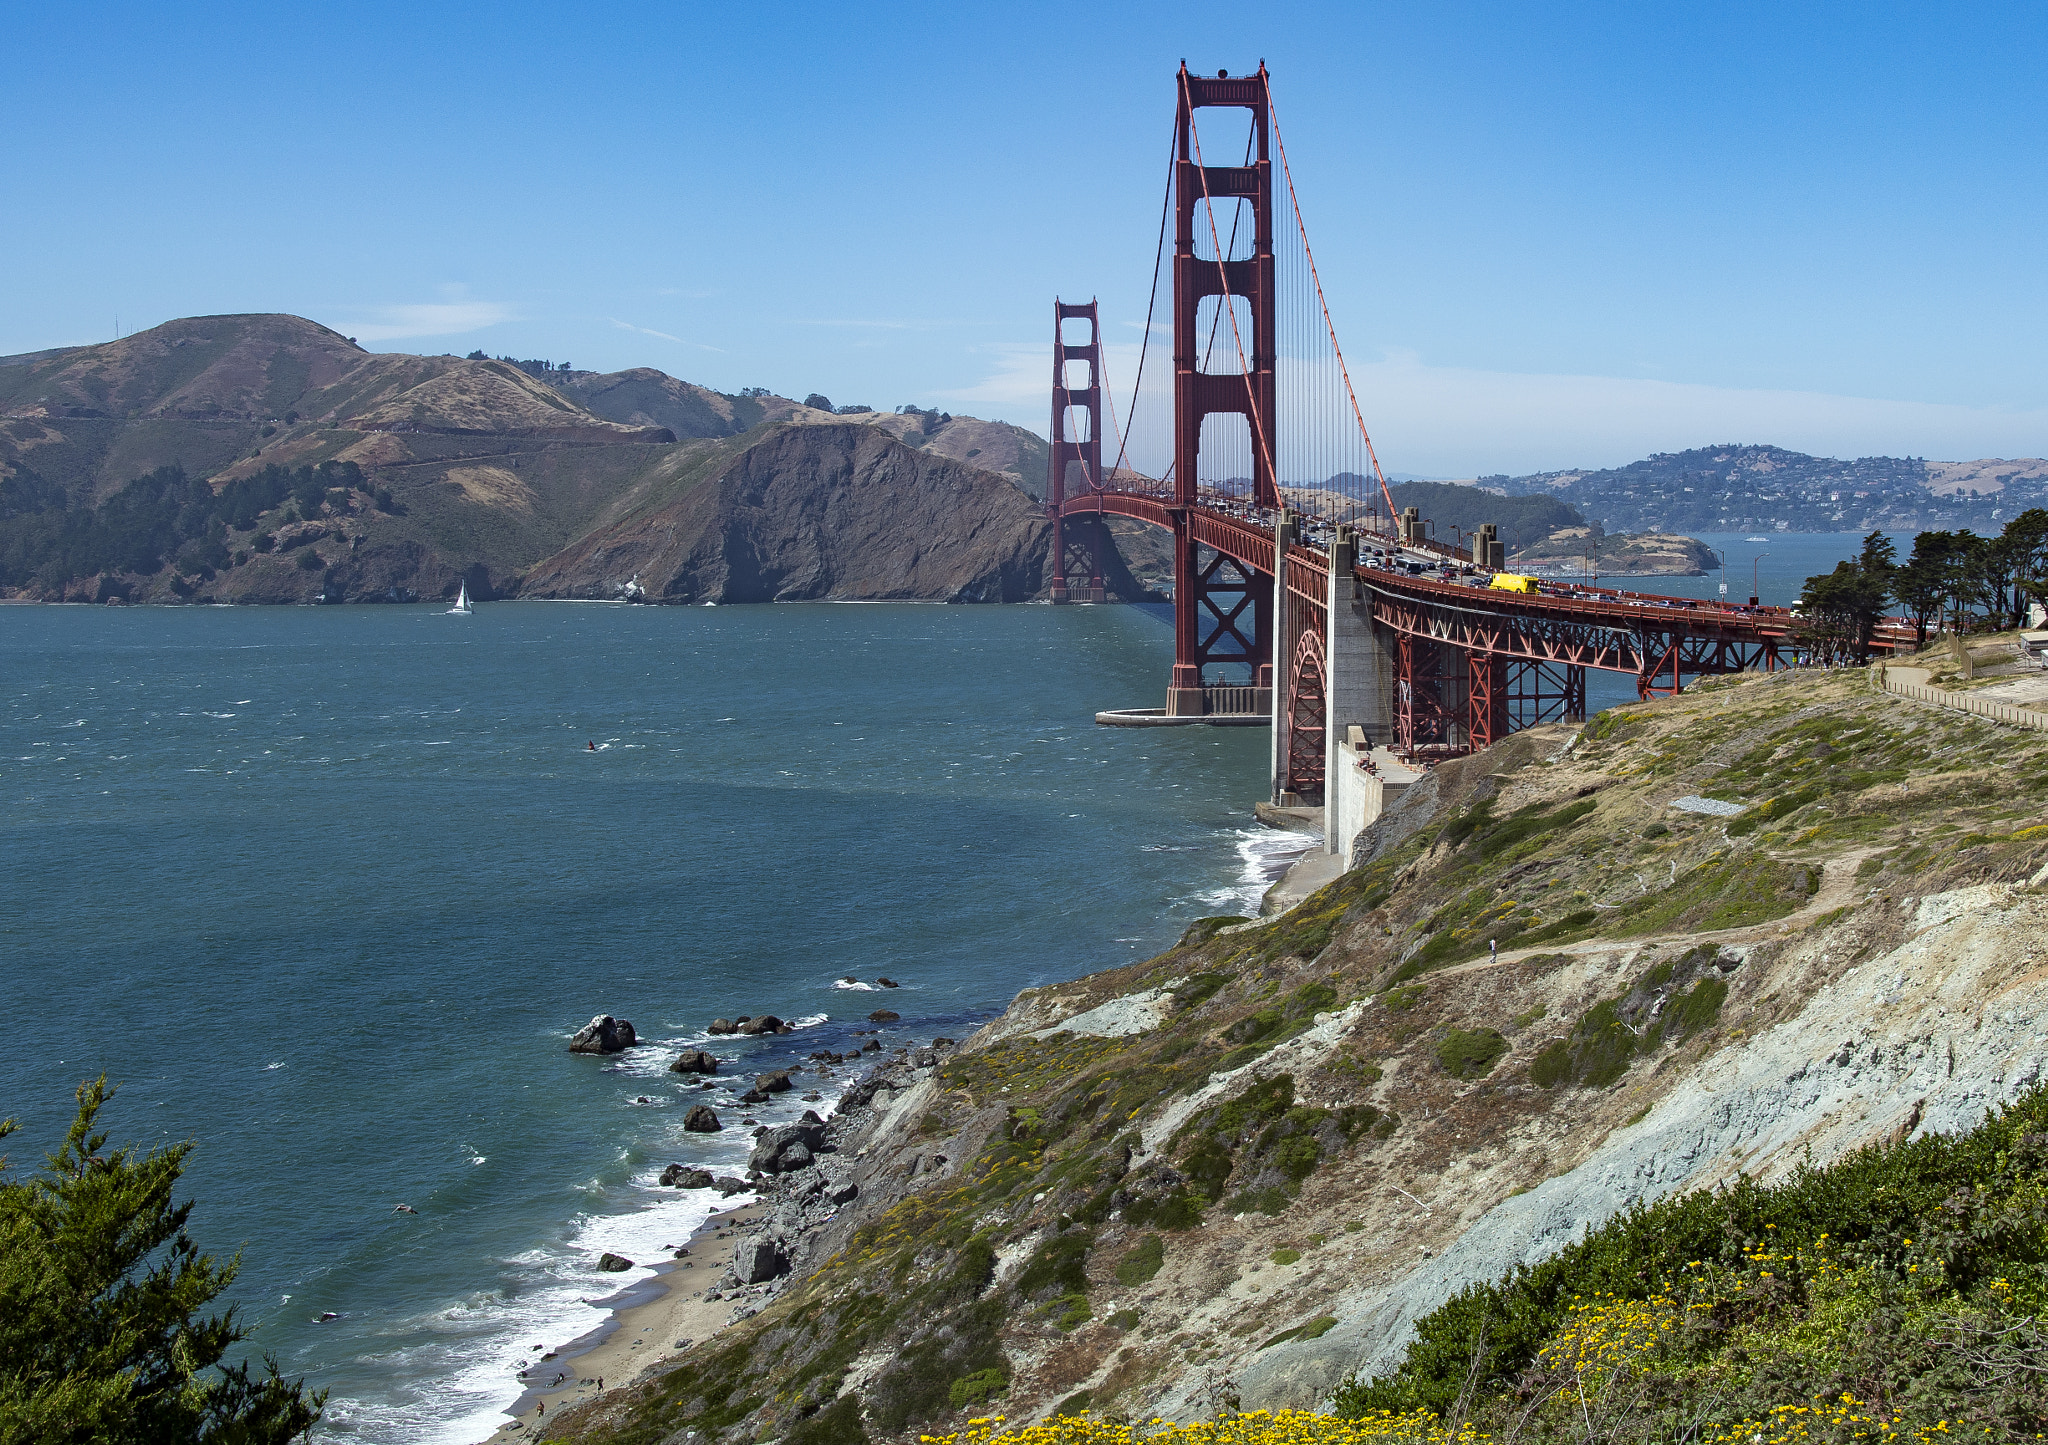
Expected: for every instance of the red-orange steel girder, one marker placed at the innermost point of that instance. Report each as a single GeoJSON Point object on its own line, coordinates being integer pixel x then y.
{"type": "Point", "coordinates": [1486, 699]}
{"type": "Point", "coordinates": [1307, 717]}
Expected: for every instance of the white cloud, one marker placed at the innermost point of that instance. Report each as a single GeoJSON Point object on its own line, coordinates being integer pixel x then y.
{"type": "Point", "coordinates": [388, 323]}
{"type": "Point", "coordinates": [663, 335]}
{"type": "Point", "coordinates": [1453, 421]}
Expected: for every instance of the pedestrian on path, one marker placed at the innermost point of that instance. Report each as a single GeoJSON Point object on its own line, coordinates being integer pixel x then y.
{"type": "Point", "coordinates": [1492, 951]}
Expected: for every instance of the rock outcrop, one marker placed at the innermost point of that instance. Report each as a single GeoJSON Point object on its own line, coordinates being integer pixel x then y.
{"type": "Point", "coordinates": [604, 1035]}
{"type": "Point", "coordinates": [787, 1148]}
{"type": "Point", "coordinates": [701, 1120]}
{"type": "Point", "coordinates": [694, 1061]}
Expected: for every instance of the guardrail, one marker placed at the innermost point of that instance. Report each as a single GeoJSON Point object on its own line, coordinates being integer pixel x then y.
{"type": "Point", "coordinates": [2000, 712]}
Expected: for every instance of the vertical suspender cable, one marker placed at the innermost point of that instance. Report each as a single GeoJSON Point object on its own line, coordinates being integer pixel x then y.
{"type": "Point", "coordinates": [1295, 202]}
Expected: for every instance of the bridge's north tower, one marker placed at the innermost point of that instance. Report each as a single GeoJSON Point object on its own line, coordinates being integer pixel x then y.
{"type": "Point", "coordinates": [1076, 454]}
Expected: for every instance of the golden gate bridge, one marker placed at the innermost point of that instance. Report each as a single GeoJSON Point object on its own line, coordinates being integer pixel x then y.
{"type": "Point", "coordinates": [1302, 599]}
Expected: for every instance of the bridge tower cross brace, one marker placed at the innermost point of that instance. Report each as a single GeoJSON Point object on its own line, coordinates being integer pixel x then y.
{"type": "Point", "coordinates": [1081, 541]}
{"type": "Point", "coordinates": [1197, 394]}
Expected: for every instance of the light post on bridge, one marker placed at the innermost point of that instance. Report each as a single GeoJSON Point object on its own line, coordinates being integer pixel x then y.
{"type": "Point", "coordinates": [1754, 589]}
{"type": "Point", "coordinates": [1723, 555]}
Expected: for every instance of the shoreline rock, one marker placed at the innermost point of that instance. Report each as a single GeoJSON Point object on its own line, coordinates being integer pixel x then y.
{"type": "Point", "coordinates": [604, 1035]}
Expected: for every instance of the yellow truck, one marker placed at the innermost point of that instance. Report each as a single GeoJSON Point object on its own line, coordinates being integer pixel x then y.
{"type": "Point", "coordinates": [1513, 582]}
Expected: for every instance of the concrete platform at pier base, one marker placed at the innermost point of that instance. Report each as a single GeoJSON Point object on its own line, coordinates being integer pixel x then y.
{"type": "Point", "coordinates": [1159, 717]}
{"type": "Point", "coordinates": [1289, 820]}
{"type": "Point", "coordinates": [1310, 872]}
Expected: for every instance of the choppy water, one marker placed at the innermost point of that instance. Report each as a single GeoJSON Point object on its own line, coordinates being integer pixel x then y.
{"type": "Point", "coordinates": [326, 890]}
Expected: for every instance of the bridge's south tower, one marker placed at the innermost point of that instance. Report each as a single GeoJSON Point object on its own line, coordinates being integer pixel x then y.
{"type": "Point", "coordinates": [1223, 358]}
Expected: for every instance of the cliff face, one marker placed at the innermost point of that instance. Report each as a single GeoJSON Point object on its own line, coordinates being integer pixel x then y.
{"type": "Point", "coordinates": [818, 512]}
{"type": "Point", "coordinates": [1238, 1173]}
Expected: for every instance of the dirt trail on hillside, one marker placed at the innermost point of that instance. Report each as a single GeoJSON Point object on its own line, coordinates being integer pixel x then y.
{"type": "Point", "coordinates": [1837, 890]}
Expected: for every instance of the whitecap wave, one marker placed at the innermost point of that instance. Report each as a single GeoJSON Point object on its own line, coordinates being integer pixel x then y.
{"type": "Point", "coordinates": [1264, 856]}
{"type": "Point", "coordinates": [854, 985]}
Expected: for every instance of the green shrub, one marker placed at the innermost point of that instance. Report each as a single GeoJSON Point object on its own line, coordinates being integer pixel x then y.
{"type": "Point", "coordinates": [1470, 1053]}
{"type": "Point", "coordinates": [1944, 1233]}
{"type": "Point", "coordinates": [978, 1388]}
{"type": "Point", "coordinates": [1197, 988]}
{"type": "Point", "coordinates": [1142, 1262]}
{"type": "Point", "coordinates": [1656, 1010]}
{"type": "Point", "coordinates": [1286, 1256]}
{"type": "Point", "coordinates": [1315, 1329]}
{"type": "Point", "coordinates": [1772, 809]}
{"type": "Point", "coordinates": [1725, 892]}
{"type": "Point", "coordinates": [837, 1424]}
{"type": "Point", "coordinates": [1073, 1312]}
{"type": "Point", "coordinates": [1060, 1265]}
{"type": "Point", "coordinates": [1204, 929]}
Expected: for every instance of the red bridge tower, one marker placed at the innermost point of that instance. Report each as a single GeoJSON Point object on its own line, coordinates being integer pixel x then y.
{"type": "Point", "coordinates": [1076, 439]}
{"type": "Point", "coordinates": [1210, 602]}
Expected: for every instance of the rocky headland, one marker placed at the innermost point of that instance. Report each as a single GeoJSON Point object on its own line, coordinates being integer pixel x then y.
{"type": "Point", "coordinates": [1556, 989]}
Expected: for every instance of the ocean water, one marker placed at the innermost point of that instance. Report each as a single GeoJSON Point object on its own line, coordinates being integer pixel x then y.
{"type": "Point", "coordinates": [326, 890]}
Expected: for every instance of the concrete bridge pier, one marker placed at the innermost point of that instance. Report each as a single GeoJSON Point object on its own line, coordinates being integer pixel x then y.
{"type": "Point", "coordinates": [1289, 618]}
{"type": "Point", "coordinates": [1359, 710]}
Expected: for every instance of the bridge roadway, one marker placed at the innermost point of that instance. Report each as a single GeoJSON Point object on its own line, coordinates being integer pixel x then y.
{"type": "Point", "coordinates": [1653, 638]}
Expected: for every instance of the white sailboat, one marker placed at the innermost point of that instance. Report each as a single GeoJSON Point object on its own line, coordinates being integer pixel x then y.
{"type": "Point", "coordinates": [462, 607]}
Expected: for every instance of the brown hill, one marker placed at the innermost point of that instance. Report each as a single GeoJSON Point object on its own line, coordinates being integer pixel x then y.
{"type": "Point", "coordinates": [202, 367]}
{"type": "Point", "coordinates": [813, 512]}
{"type": "Point", "coordinates": [442, 469]}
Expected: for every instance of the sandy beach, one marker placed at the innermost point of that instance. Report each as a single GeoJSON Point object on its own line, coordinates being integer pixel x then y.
{"type": "Point", "coordinates": [641, 1333]}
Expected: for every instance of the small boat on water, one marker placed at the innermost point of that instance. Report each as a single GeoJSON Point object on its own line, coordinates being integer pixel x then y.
{"type": "Point", "coordinates": [462, 607]}
{"type": "Point", "coordinates": [1756, 539]}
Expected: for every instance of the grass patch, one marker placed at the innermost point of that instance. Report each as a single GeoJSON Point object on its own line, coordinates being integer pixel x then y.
{"type": "Point", "coordinates": [1286, 1256]}
{"type": "Point", "coordinates": [978, 1388]}
{"type": "Point", "coordinates": [1670, 1003]}
{"type": "Point", "coordinates": [1470, 1053]}
{"type": "Point", "coordinates": [1142, 1262]}
{"type": "Point", "coordinates": [1725, 892]}
{"type": "Point", "coordinates": [1315, 1329]}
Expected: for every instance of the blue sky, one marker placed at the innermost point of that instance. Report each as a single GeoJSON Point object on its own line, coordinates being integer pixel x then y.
{"type": "Point", "coordinates": [1551, 234]}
